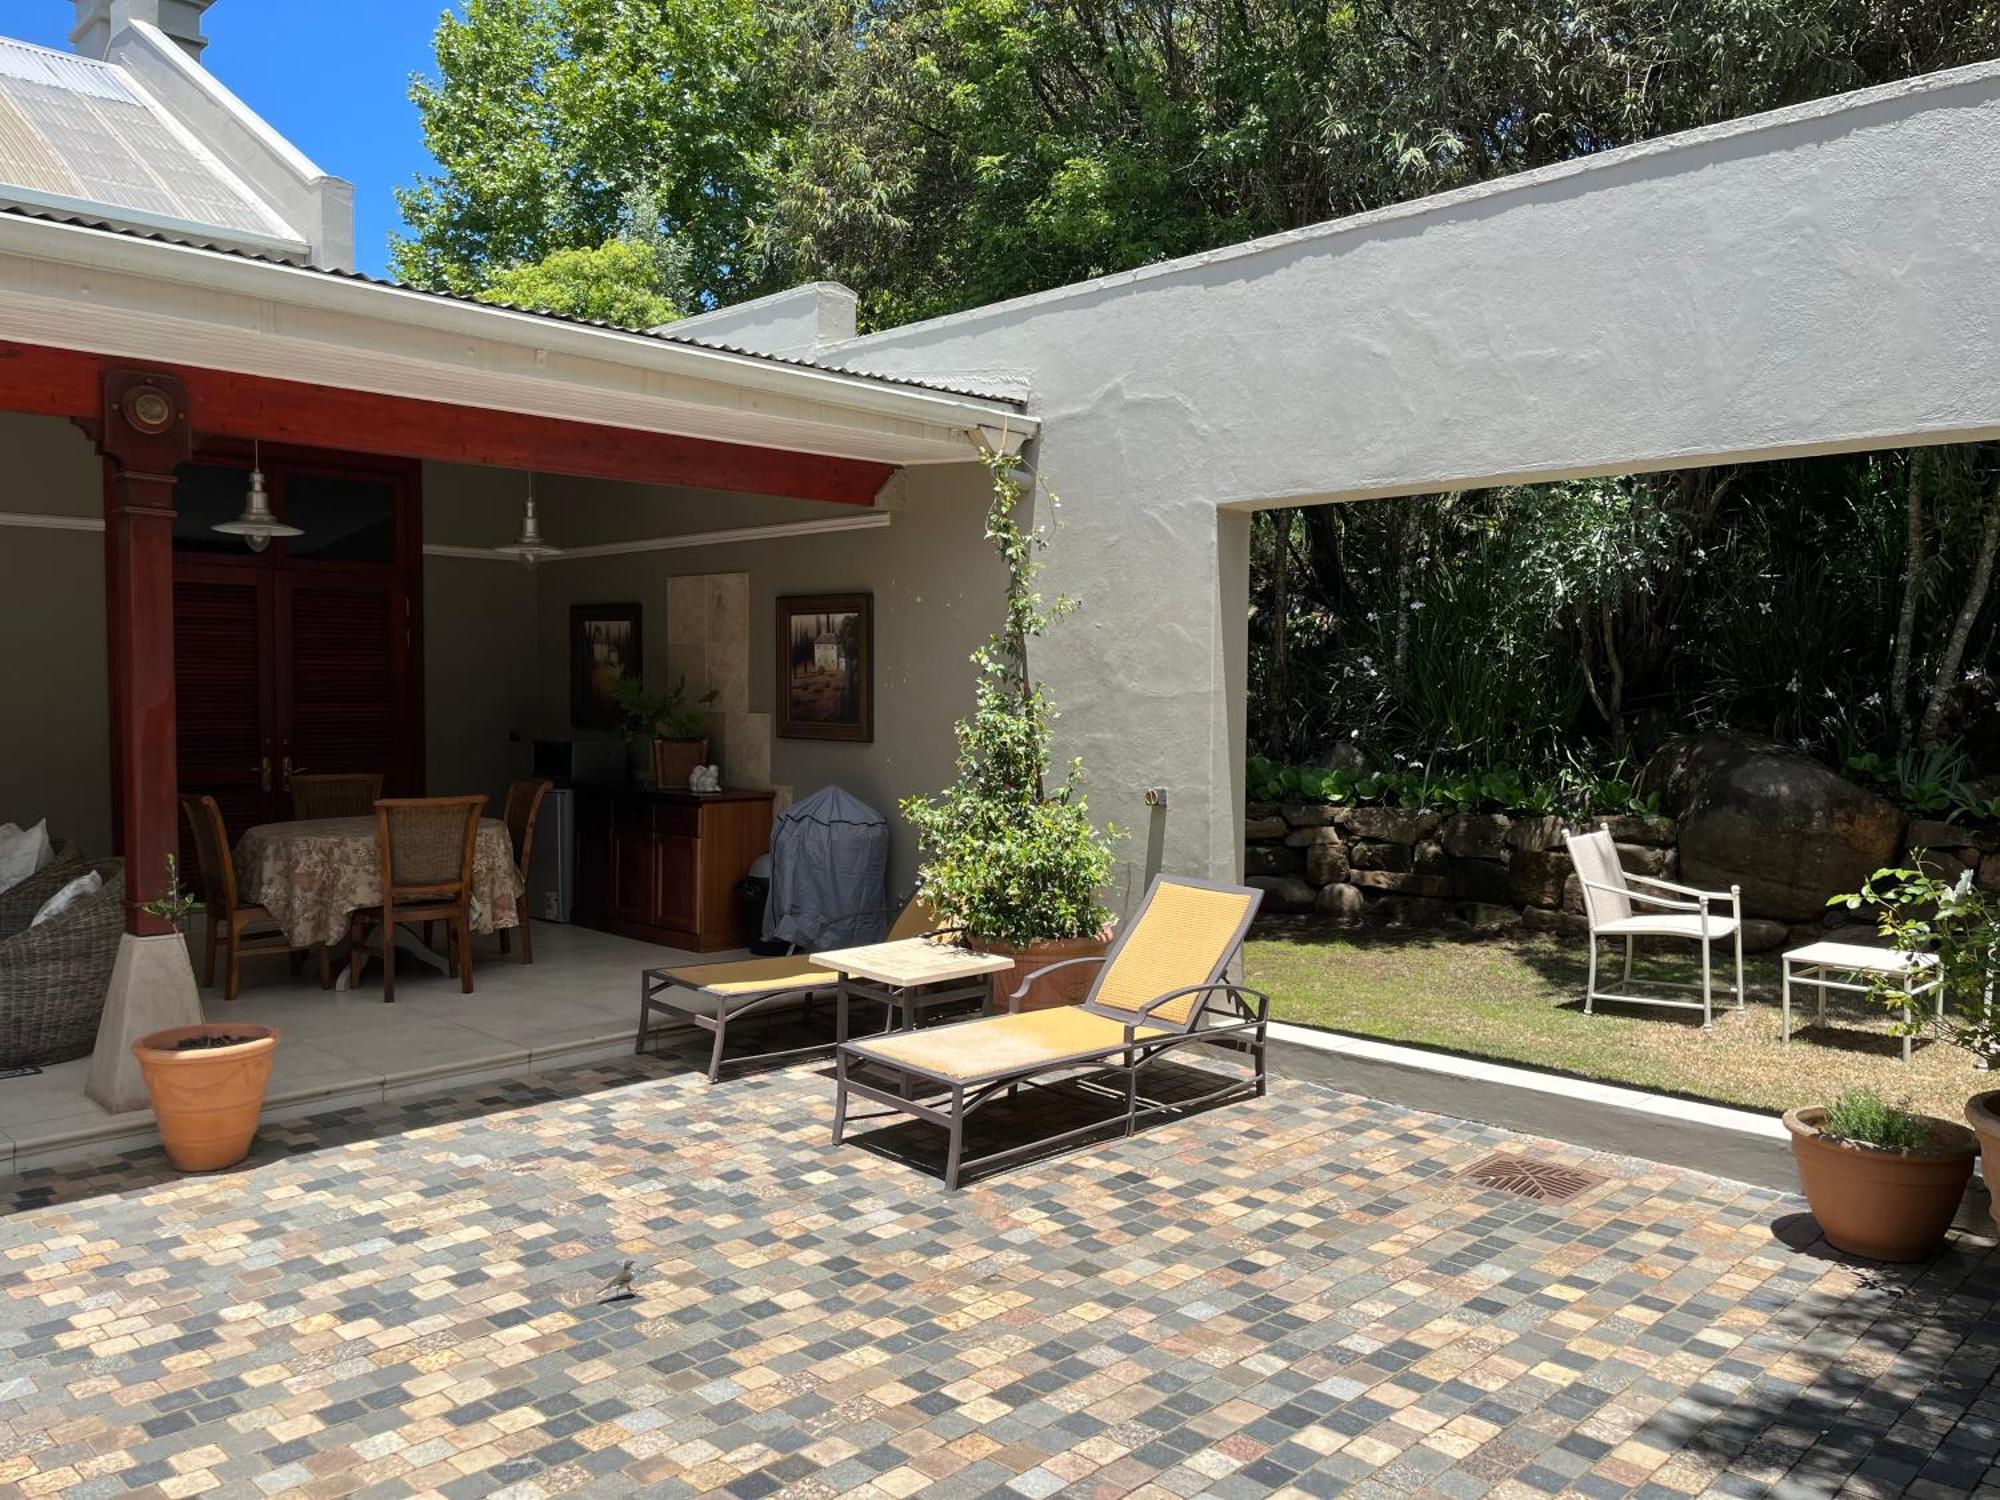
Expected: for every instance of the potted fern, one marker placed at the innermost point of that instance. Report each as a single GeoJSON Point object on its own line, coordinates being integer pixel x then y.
{"type": "Point", "coordinates": [1010, 860]}
{"type": "Point", "coordinates": [672, 722]}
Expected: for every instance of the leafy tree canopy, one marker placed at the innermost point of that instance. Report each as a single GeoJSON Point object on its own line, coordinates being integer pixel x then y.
{"type": "Point", "coordinates": [937, 154]}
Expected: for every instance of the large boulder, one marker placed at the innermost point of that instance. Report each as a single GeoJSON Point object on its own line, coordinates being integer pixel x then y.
{"type": "Point", "coordinates": [1791, 832]}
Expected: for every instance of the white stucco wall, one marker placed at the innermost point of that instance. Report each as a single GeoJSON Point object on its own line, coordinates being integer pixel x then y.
{"type": "Point", "coordinates": [1818, 279]}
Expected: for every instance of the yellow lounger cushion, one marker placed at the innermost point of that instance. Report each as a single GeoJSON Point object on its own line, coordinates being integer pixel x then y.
{"type": "Point", "coordinates": [995, 1046]}
{"type": "Point", "coordinates": [1182, 936]}
{"type": "Point", "coordinates": [750, 976]}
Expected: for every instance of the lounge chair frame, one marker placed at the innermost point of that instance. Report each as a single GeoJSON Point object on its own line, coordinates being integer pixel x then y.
{"type": "Point", "coordinates": [949, 1102]}
{"type": "Point", "coordinates": [654, 985]}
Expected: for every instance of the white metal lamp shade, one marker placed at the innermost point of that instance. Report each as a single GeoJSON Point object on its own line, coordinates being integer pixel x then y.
{"type": "Point", "coordinates": [257, 525]}
{"type": "Point", "coordinates": [529, 546]}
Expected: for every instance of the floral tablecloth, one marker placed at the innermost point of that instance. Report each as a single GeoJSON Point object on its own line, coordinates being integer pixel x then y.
{"type": "Point", "coordinates": [312, 873]}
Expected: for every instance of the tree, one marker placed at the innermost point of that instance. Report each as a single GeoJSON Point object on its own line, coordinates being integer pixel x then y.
{"type": "Point", "coordinates": [547, 116]}
{"type": "Point", "coordinates": [616, 283]}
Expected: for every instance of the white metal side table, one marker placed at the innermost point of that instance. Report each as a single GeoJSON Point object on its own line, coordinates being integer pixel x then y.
{"type": "Point", "coordinates": [1812, 963]}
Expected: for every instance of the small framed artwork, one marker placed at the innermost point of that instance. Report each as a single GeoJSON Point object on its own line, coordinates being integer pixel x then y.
{"type": "Point", "coordinates": [604, 645]}
{"type": "Point", "coordinates": [826, 667]}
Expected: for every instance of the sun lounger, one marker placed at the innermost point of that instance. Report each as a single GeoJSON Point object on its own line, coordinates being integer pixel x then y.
{"type": "Point", "coordinates": [1162, 987]}
{"type": "Point", "coordinates": [715, 996]}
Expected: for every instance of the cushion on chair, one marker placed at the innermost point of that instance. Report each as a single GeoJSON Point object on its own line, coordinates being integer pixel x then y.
{"type": "Point", "coordinates": [751, 976]}
{"type": "Point", "coordinates": [996, 1046]}
{"type": "Point", "coordinates": [87, 884]}
{"type": "Point", "coordinates": [1667, 924]}
{"type": "Point", "coordinates": [23, 851]}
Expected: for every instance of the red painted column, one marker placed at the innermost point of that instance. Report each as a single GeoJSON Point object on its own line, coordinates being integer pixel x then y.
{"type": "Point", "coordinates": [146, 434]}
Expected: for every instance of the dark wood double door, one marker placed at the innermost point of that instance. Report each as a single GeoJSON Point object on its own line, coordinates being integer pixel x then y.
{"type": "Point", "coordinates": [306, 656]}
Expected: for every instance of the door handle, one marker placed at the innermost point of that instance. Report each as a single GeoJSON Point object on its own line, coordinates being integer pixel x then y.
{"type": "Point", "coordinates": [291, 771]}
{"type": "Point", "coordinates": [263, 770]}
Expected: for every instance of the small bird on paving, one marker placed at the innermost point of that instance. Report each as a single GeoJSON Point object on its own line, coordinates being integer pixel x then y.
{"type": "Point", "coordinates": [620, 1284]}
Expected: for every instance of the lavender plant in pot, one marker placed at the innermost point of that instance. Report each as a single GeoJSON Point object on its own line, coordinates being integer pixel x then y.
{"type": "Point", "coordinates": [1010, 855]}
{"type": "Point", "coordinates": [1883, 1183]}
{"type": "Point", "coordinates": [1955, 925]}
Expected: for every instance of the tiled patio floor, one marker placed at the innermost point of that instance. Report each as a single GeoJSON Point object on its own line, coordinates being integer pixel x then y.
{"type": "Point", "coordinates": [1297, 1295]}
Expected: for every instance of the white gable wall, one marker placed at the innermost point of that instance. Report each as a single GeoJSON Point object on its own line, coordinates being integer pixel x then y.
{"type": "Point", "coordinates": [1822, 278]}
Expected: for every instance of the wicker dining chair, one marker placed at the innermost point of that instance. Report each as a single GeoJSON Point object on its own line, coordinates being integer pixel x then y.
{"type": "Point", "coordinates": [426, 845]}
{"type": "Point", "coordinates": [243, 929]}
{"type": "Point", "coordinates": [335, 794]}
{"type": "Point", "coordinates": [524, 806]}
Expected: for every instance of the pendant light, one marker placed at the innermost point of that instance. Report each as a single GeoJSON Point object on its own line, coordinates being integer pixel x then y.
{"type": "Point", "coordinates": [257, 525]}
{"type": "Point", "coordinates": [529, 546]}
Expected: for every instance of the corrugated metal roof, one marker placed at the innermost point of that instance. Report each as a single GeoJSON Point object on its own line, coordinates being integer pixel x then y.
{"type": "Point", "coordinates": [105, 224]}
{"type": "Point", "coordinates": [80, 131]}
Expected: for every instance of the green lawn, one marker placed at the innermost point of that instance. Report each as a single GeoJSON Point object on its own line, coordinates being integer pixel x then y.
{"type": "Point", "coordinates": [1521, 1001]}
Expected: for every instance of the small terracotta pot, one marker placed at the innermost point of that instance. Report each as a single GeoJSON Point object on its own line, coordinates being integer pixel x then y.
{"type": "Point", "coordinates": [1066, 988]}
{"type": "Point", "coordinates": [1877, 1204]}
{"type": "Point", "coordinates": [207, 1100]}
{"type": "Point", "coordinates": [1982, 1113]}
{"type": "Point", "coordinates": [674, 761]}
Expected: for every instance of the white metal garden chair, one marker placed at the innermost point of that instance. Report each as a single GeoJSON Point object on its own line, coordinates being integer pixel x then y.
{"type": "Point", "coordinates": [1631, 907]}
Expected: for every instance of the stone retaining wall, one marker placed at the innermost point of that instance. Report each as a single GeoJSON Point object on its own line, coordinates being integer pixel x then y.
{"type": "Point", "coordinates": [1492, 874]}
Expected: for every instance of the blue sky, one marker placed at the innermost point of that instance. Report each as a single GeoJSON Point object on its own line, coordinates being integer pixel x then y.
{"type": "Point", "coordinates": [332, 76]}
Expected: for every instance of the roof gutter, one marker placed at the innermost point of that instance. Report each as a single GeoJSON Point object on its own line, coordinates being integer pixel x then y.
{"type": "Point", "coordinates": [194, 269]}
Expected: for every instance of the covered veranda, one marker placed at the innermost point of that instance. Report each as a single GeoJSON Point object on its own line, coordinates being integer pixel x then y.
{"type": "Point", "coordinates": [696, 480]}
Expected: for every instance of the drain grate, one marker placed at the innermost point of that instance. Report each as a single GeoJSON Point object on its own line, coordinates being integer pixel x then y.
{"type": "Point", "coordinates": [1545, 1181]}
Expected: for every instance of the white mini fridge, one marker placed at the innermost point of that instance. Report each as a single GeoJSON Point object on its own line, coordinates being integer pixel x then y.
{"type": "Point", "coordinates": [552, 867]}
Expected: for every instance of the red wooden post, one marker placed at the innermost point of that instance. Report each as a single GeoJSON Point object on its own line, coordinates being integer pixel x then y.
{"type": "Point", "coordinates": [146, 435]}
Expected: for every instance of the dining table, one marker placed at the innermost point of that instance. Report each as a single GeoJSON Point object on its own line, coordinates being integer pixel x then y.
{"type": "Point", "coordinates": [313, 874]}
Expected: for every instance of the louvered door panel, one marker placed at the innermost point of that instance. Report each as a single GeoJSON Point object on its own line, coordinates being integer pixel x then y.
{"type": "Point", "coordinates": [222, 699]}
{"type": "Point", "coordinates": [340, 686]}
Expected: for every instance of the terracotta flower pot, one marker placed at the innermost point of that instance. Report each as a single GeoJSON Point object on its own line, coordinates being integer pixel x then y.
{"type": "Point", "coordinates": [674, 761]}
{"type": "Point", "coordinates": [1877, 1204]}
{"type": "Point", "coordinates": [207, 1099]}
{"type": "Point", "coordinates": [1066, 988]}
{"type": "Point", "coordinates": [1982, 1113]}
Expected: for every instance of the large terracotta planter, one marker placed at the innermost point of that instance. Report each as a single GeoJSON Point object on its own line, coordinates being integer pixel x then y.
{"type": "Point", "coordinates": [1066, 988]}
{"type": "Point", "coordinates": [1982, 1113]}
{"type": "Point", "coordinates": [1877, 1204]}
{"type": "Point", "coordinates": [207, 1100]}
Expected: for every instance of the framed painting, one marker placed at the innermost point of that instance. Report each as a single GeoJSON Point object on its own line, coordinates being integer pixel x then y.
{"type": "Point", "coordinates": [604, 645]}
{"type": "Point", "coordinates": [826, 667]}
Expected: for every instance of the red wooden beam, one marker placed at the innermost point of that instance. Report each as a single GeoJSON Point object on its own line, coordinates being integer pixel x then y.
{"type": "Point", "coordinates": [66, 383]}
{"type": "Point", "coordinates": [143, 420]}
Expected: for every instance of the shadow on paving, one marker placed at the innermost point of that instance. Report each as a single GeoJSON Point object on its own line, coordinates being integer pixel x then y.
{"type": "Point", "coordinates": [1905, 1394]}
{"type": "Point", "coordinates": [1050, 1109]}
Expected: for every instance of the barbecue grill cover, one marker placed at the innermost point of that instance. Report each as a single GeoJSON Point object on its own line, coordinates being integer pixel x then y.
{"type": "Point", "coordinates": [829, 861]}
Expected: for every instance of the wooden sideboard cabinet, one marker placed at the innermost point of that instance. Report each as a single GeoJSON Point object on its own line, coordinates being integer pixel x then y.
{"type": "Point", "coordinates": [662, 866]}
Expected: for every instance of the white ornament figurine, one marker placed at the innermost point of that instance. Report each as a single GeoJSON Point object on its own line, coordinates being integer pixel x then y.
{"type": "Point", "coordinates": [705, 779]}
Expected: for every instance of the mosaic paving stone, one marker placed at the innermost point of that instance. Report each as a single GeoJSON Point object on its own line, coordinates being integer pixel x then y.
{"type": "Point", "coordinates": [1299, 1295]}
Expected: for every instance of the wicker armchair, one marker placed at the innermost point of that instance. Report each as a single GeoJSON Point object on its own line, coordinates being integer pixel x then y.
{"type": "Point", "coordinates": [335, 795]}
{"type": "Point", "coordinates": [524, 807]}
{"type": "Point", "coordinates": [426, 845]}
{"type": "Point", "coordinates": [53, 977]}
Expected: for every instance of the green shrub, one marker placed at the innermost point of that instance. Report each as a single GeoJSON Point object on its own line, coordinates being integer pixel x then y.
{"type": "Point", "coordinates": [1864, 1118]}
{"type": "Point", "coordinates": [1499, 788]}
{"type": "Point", "coordinates": [1005, 858]}
{"type": "Point", "coordinates": [1955, 927]}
